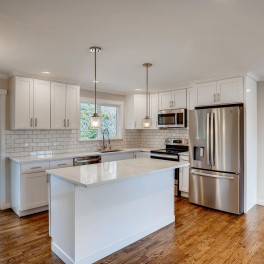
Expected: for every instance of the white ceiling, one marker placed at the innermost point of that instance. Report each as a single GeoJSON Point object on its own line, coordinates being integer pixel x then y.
{"type": "Point", "coordinates": [185, 40]}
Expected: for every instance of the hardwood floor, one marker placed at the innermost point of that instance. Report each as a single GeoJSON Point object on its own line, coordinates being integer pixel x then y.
{"type": "Point", "coordinates": [200, 235]}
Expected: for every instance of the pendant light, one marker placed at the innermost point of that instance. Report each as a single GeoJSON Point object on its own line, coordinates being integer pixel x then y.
{"type": "Point", "coordinates": [95, 118]}
{"type": "Point", "coordinates": [147, 120]}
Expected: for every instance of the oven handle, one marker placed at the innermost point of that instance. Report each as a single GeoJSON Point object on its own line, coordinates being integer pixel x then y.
{"type": "Point", "coordinates": [176, 157]}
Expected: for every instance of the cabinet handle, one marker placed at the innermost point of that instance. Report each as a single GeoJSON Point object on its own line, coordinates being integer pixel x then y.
{"type": "Point", "coordinates": [34, 168]}
{"type": "Point", "coordinates": [62, 164]}
{"type": "Point", "coordinates": [214, 97]}
{"type": "Point", "coordinates": [135, 124]}
{"type": "Point", "coordinates": [170, 103]}
{"type": "Point", "coordinates": [64, 122]}
{"type": "Point", "coordinates": [68, 122]}
{"type": "Point", "coordinates": [36, 122]}
{"type": "Point", "coordinates": [31, 122]}
{"type": "Point", "coordinates": [218, 97]}
{"type": "Point", "coordinates": [47, 178]}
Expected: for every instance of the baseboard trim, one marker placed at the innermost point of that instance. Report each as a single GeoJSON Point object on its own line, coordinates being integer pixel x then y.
{"type": "Point", "coordinates": [61, 254]}
{"type": "Point", "coordinates": [32, 211]}
{"type": "Point", "coordinates": [114, 247]}
{"type": "Point", "coordinates": [260, 202]}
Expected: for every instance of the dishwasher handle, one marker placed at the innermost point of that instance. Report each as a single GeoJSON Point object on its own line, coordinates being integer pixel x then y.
{"type": "Point", "coordinates": [86, 160]}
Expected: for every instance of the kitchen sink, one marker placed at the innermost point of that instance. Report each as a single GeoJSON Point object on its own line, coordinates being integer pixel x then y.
{"type": "Point", "coordinates": [112, 150]}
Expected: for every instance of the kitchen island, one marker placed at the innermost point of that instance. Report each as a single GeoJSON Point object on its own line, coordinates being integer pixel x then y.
{"type": "Point", "coordinates": [98, 209]}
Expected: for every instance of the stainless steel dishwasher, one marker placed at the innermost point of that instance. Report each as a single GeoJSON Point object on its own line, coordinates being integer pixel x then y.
{"type": "Point", "coordinates": [79, 161]}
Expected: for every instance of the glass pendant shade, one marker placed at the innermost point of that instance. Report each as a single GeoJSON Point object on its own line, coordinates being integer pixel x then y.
{"type": "Point", "coordinates": [146, 122]}
{"type": "Point", "coordinates": [95, 121]}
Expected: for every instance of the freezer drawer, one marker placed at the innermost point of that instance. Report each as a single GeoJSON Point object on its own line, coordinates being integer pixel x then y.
{"type": "Point", "coordinates": [221, 191]}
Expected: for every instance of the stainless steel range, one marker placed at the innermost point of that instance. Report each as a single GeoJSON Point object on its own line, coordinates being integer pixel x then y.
{"type": "Point", "coordinates": [173, 146]}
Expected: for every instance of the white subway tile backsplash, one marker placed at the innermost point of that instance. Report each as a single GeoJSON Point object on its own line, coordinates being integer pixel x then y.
{"type": "Point", "coordinates": [41, 142]}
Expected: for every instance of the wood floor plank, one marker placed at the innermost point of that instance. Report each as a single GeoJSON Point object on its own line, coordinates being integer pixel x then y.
{"type": "Point", "coordinates": [199, 236]}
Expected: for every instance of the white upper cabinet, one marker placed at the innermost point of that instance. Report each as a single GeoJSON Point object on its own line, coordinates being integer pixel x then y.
{"type": "Point", "coordinates": [58, 105]}
{"type": "Point", "coordinates": [73, 107]}
{"type": "Point", "coordinates": [220, 92]}
{"type": "Point", "coordinates": [41, 104]}
{"type": "Point", "coordinates": [179, 98]}
{"type": "Point", "coordinates": [191, 98]}
{"type": "Point", "coordinates": [165, 100]}
{"type": "Point", "coordinates": [29, 103]}
{"type": "Point", "coordinates": [206, 93]}
{"type": "Point", "coordinates": [65, 106]}
{"type": "Point", "coordinates": [154, 107]}
{"type": "Point", "coordinates": [230, 90]}
{"type": "Point", "coordinates": [172, 99]}
{"type": "Point", "coordinates": [135, 111]}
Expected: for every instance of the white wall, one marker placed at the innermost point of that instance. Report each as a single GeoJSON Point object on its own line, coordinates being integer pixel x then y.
{"type": "Point", "coordinates": [250, 190]}
{"type": "Point", "coordinates": [260, 189]}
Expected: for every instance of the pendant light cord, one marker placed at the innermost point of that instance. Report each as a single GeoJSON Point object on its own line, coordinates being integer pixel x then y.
{"type": "Point", "coordinates": [95, 110]}
{"type": "Point", "coordinates": [147, 107]}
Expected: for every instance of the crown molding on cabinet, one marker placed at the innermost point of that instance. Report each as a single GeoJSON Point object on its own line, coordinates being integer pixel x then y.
{"type": "Point", "coordinates": [243, 74]}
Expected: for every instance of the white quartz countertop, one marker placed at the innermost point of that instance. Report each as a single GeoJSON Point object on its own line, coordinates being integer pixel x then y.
{"type": "Point", "coordinates": [27, 159]}
{"type": "Point", "coordinates": [102, 173]}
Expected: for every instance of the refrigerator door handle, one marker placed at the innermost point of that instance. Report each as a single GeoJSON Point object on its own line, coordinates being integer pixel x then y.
{"type": "Point", "coordinates": [212, 176]}
{"type": "Point", "coordinates": [208, 138]}
{"type": "Point", "coordinates": [212, 139]}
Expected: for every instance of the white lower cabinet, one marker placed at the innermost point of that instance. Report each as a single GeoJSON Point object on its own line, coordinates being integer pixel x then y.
{"type": "Point", "coordinates": [34, 190]}
{"type": "Point", "coordinates": [29, 185]}
{"type": "Point", "coordinates": [184, 178]}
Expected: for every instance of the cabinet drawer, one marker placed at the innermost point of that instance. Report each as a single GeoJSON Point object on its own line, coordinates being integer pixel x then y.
{"type": "Point", "coordinates": [34, 167]}
{"type": "Point", "coordinates": [182, 158]}
{"type": "Point", "coordinates": [55, 164]}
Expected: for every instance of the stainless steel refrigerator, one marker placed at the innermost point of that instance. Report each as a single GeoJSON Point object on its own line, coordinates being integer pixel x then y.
{"type": "Point", "coordinates": [216, 157]}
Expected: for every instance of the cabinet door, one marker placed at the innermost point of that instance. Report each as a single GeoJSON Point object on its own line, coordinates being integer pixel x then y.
{"type": "Point", "coordinates": [23, 103]}
{"type": "Point", "coordinates": [206, 93]}
{"type": "Point", "coordinates": [165, 101]}
{"type": "Point", "coordinates": [73, 107]}
{"type": "Point", "coordinates": [154, 107]}
{"type": "Point", "coordinates": [230, 90]}
{"type": "Point", "coordinates": [191, 98]}
{"type": "Point", "coordinates": [139, 110]}
{"type": "Point", "coordinates": [34, 190]}
{"type": "Point", "coordinates": [58, 105]}
{"type": "Point", "coordinates": [179, 99]}
{"type": "Point", "coordinates": [41, 104]}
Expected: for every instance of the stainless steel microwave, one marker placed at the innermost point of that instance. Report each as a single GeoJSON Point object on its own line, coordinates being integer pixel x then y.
{"type": "Point", "coordinates": [172, 118]}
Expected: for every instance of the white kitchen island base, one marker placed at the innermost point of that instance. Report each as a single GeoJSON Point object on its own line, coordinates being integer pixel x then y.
{"type": "Point", "coordinates": [87, 224]}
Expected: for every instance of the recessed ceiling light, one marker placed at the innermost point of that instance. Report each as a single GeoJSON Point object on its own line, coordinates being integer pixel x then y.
{"type": "Point", "coordinates": [96, 81]}
{"type": "Point", "coordinates": [45, 72]}
{"type": "Point", "coordinates": [138, 89]}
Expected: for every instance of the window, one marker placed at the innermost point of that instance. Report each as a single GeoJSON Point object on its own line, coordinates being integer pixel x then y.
{"type": "Point", "coordinates": [111, 116]}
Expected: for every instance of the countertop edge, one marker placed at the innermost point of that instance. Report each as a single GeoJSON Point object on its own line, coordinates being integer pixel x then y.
{"type": "Point", "coordinates": [50, 172]}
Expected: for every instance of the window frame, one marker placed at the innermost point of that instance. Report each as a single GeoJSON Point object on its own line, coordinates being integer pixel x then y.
{"type": "Point", "coordinates": [120, 116]}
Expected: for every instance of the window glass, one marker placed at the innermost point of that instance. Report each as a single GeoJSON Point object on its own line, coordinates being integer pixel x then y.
{"type": "Point", "coordinates": [109, 120]}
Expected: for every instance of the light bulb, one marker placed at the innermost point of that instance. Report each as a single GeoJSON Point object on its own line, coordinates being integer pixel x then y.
{"type": "Point", "coordinates": [146, 122]}
{"type": "Point", "coordinates": [95, 121]}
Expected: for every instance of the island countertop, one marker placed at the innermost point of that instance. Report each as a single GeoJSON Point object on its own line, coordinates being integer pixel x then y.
{"type": "Point", "coordinates": [102, 173]}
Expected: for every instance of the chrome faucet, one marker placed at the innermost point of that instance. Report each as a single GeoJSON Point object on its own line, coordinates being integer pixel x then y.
{"type": "Point", "coordinates": [104, 146]}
